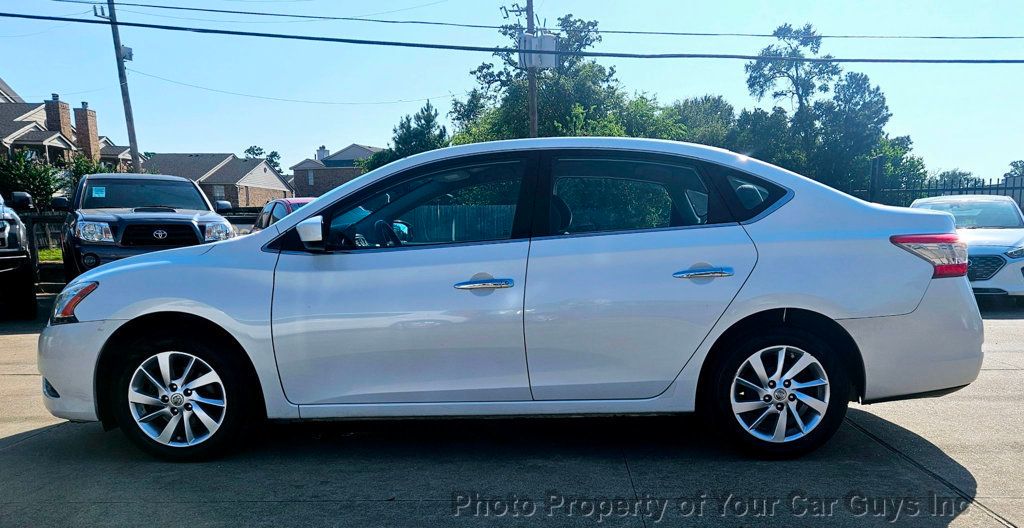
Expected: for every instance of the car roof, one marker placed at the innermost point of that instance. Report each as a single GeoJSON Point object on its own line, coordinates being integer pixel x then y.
{"type": "Point", "coordinates": [134, 176]}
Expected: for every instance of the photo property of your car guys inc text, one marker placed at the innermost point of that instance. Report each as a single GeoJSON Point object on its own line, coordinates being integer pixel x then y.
{"type": "Point", "coordinates": [511, 263]}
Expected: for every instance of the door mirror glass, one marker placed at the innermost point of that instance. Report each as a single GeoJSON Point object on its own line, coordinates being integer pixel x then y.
{"type": "Point", "coordinates": [21, 201]}
{"type": "Point", "coordinates": [60, 203]}
{"type": "Point", "coordinates": [311, 233]}
{"type": "Point", "coordinates": [402, 230]}
{"type": "Point", "coordinates": [222, 206]}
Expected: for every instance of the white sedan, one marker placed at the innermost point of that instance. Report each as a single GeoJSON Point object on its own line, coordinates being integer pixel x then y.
{"type": "Point", "coordinates": [993, 229]}
{"type": "Point", "coordinates": [560, 276]}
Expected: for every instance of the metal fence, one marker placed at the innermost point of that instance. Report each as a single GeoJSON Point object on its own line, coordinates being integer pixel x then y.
{"type": "Point", "coordinates": [1012, 187]}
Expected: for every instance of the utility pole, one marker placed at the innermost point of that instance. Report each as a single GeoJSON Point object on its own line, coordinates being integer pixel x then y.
{"type": "Point", "coordinates": [531, 73]}
{"type": "Point", "coordinates": [133, 144]}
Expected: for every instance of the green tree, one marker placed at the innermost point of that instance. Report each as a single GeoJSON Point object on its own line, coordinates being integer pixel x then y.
{"type": "Point", "coordinates": [706, 120]}
{"type": "Point", "coordinates": [1016, 169]}
{"type": "Point", "coordinates": [850, 127]}
{"type": "Point", "coordinates": [900, 168]}
{"type": "Point", "coordinates": [956, 178]}
{"type": "Point", "coordinates": [256, 152]}
{"type": "Point", "coordinates": [782, 77]}
{"type": "Point", "coordinates": [413, 134]}
{"type": "Point", "coordinates": [78, 167]}
{"type": "Point", "coordinates": [26, 173]}
{"type": "Point", "coordinates": [767, 136]}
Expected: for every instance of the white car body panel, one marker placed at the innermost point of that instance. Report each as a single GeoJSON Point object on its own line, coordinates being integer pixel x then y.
{"type": "Point", "coordinates": [338, 319]}
{"type": "Point", "coordinates": [817, 250]}
{"type": "Point", "coordinates": [597, 303]}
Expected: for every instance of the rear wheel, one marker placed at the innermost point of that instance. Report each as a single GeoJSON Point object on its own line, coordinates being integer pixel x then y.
{"type": "Point", "coordinates": [781, 394]}
{"type": "Point", "coordinates": [181, 399]}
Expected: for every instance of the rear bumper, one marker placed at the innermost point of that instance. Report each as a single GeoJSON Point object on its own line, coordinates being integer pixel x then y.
{"type": "Point", "coordinates": [934, 348]}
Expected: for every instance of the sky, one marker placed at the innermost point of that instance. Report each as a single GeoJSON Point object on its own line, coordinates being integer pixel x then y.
{"type": "Point", "coordinates": [959, 116]}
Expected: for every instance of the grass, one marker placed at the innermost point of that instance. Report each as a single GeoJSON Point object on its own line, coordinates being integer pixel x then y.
{"type": "Point", "coordinates": [50, 255]}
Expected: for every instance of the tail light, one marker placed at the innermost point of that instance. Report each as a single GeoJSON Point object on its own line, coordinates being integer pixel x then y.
{"type": "Point", "coordinates": [946, 253]}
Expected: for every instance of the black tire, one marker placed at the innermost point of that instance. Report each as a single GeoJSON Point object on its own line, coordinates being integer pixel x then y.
{"type": "Point", "coordinates": [718, 402]}
{"type": "Point", "coordinates": [70, 269]}
{"type": "Point", "coordinates": [239, 396]}
{"type": "Point", "coordinates": [24, 304]}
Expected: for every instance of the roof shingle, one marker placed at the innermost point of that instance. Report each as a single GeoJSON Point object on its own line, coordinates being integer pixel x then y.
{"type": "Point", "coordinates": [191, 166]}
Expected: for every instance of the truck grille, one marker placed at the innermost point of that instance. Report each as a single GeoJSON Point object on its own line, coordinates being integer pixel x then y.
{"type": "Point", "coordinates": [163, 235]}
{"type": "Point", "coordinates": [984, 267]}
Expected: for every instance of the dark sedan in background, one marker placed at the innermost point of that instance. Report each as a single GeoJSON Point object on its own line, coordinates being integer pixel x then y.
{"type": "Point", "coordinates": [113, 216]}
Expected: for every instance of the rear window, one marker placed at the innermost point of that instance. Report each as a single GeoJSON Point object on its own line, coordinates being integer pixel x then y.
{"type": "Point", "coordinates": [747, 196]}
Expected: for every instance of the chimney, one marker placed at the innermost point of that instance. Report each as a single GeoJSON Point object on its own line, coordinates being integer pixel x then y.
{"type": "Point", "coordinates": [322, 153]}
{"type": "Point", "coordinates": [88, 137]}
{"type": "Point", "coordinates": [58, 116]}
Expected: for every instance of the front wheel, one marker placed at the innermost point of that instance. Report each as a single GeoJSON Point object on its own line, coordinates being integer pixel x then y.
{"type": "Point", "coordinates": [781, 394]}
{"type": "Point", "coordinates": [181, 400]}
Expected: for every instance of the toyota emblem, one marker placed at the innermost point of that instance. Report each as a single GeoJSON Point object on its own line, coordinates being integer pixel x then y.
{"type": "Point", "coordinates": [159, 234]}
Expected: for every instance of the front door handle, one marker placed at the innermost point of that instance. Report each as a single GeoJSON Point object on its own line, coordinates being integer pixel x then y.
{"type": "Point", "coordinates": [704, 273]}
{"type": "Point", "coordinates": [481, 284]}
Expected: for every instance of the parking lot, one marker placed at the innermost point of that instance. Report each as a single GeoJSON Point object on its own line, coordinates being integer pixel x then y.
{"type": "Point", "coordinates": [953, 461]}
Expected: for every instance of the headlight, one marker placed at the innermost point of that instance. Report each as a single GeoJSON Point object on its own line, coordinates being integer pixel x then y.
{"type": "Point", "coordinates": [219, 231]}
{"type": "Point", "coordinates": [67, 301]}
{"type": "Point", "coordinates": [93, 231]}
{"type": "Point", "coordinates": [1016, 252]}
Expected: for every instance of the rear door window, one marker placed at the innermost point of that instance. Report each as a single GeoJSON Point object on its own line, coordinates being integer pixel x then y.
{"type": "Point", "coordinates": [746, 195]}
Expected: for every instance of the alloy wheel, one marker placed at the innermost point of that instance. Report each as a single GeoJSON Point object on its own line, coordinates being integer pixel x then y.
{"type": "Point", "coordinates": [177, 399]}
{"type": "Point", "coordinates": [780, 394]}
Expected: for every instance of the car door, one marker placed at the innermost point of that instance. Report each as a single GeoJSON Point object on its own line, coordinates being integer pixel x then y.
{"type": "Point", "coordinates": [637, 260]}
{"type": "Point", "coordinates": [419, 295]}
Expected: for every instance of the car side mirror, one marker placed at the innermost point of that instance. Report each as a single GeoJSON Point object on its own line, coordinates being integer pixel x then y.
{"type": "Point", "coordinates": [222, 206]}
{"type": "Point", "coordinates": [311, 233]}
{"type": "Point", "coordinates": [60, 203]}
{"type": "Point", "coordinates": [21, 201]}
{"type": "Point", "coordinates": [402, 229]}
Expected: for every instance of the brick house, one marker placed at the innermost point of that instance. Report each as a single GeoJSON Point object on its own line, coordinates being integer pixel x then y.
{"type": "Point", "coordinates": [313, 177]}
{"type": "Point", "coordinates": [243, 182]}
{"type": "Point", "coordinates": [52, 130]}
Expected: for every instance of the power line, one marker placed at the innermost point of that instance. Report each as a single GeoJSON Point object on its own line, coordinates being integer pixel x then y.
{"type": "Point", "coordinates": [490, 49]}
{"type": "Point", "coordinates": [286, 100]}
{"type": "Point", "coordinates": [493, 27]}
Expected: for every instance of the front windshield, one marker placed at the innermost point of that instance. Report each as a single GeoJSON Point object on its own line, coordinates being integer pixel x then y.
{"type": "Point", "coordinates": [129, 194]}
{"type": "Point", "coordinates": [979, 214]}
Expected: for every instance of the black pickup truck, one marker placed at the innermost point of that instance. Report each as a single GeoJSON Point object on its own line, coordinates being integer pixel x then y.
{"type": "Point", "coordinates": [113, 216]}
{"type": "Point", "coordinates": [17, 268]}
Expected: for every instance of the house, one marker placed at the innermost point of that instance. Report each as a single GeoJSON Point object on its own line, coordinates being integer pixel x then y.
{"type": "Point", "coordinates": [313, 177]}
{"type": "Point", "coordinates": [245, 182]}
{"type": "Point", "coordinates": [52, 131]}
{"type": "Point", "coordinates": [117, 157]}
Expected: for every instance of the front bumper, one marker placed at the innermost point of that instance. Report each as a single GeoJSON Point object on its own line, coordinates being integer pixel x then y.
{"type": "Point", "coordinates": [14, 261]}
{"type": "Point", "coordinates": [1009, 280]}
{"type": "Point", "coordinates": [934, 348]}
{"type": "Point", "coordinates": [67, 359]}
{"type": "Point", "coordinates": [107, 253]}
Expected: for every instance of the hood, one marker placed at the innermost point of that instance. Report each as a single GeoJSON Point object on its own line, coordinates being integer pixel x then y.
{"type": "Point", "coordinates": [992, 237]}
{"type": "Point", "coordinates": [120, 215]}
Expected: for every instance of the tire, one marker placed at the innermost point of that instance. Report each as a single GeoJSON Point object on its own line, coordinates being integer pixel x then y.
{"type": "Point", "coordinates": [24, 305]}
{"type": "Point", "coordinates": [146, 420]}
{"type": "Point", "coordinates": [754, 426]}
{"type": "Point", "coordinates": [70, 269]}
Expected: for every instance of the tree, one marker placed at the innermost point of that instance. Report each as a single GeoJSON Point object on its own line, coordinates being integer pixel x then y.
{"type": "Point", "coordinates": [956, 178]}
{"type": "Point", "coordinates": [23, 172]}
{"type": "Point", "coordinates": [706, 120]}
{"type": "Point", "coordinates": [257, 152]}
{"type": "Point", "coordinates": [413, 134]}
{"type": "Point", "coordinates": [767, 137]}
{"type": "Point", "coordinates": [900, 168]}
{"type": "Point", "coordinates": [799, 81]}
{"type": "Point", "coordinates": [78, 167]}
{"type": "Point", "coordinates": [850, 127]}
{"type": "Point", "coordinates": [1016, 169]}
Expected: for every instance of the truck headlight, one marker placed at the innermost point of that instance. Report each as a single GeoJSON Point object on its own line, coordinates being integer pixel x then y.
{"type": "Point", "coordinates": [1016, 252]}
{"type": "Point", "coordinates": [93, 231]}
{"type": "Point", "coordinates": [219, 231]}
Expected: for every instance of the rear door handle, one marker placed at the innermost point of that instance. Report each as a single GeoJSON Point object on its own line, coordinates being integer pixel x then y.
{"type": "Point", "coordinates": [704, 273]}
{"type": "Point", "coordinates": [482, 284]}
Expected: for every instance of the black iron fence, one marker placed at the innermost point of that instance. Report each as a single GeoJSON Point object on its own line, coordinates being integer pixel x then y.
{"type": "Point", "coordinates": [1012, 187]}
